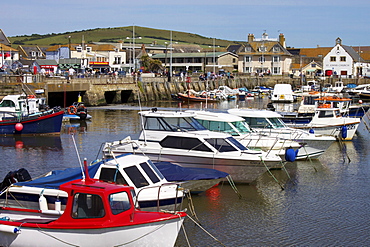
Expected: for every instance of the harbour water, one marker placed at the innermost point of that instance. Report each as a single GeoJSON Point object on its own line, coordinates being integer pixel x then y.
{"type": "Point", "coordinates": [324, 202]}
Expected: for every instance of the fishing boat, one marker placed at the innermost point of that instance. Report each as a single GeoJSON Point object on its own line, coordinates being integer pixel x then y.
{"type": "Point", "coordinates": [96, 214]}
{"type": "Point", "coordinates": [195, 98]}
{"type": "Point", "coordinates": [331, 118]}
{"type": "Point", "coordinates": [269, 123]}
{"type": "Point", "coordinates": [153, 191]}
{"type": "Point", "coordinates": [24, 114]}
{"type": "Point", "coordinates": [239, 129]}
{"type": "Point", "coordinates": [178, 138]}
{"type": "Point", "coordinates": [76, 111]}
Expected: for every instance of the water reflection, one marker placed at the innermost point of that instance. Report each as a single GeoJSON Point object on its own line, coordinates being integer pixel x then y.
{"type": "Point", "coordinates": [52, 143]}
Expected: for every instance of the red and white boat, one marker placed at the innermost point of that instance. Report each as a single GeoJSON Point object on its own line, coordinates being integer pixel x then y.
{"type": "Point", "coordinates": [96, 214]}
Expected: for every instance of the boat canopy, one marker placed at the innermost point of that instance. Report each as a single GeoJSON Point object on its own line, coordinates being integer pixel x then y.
{"type": "Point", "coordinates": [58, 177]}
{"type": "Point", "coordinates": [174, 172]}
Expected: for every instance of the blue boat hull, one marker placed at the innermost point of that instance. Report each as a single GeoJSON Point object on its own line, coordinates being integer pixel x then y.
{"type": "Point", "coordinates": [40, 124]}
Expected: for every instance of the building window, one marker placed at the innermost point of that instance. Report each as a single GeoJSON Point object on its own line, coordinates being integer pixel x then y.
{"type": "Point", "coordinates": [262, 59]}
{"type": "Point", "coordinates": [248, 59]}
{"type": "Point", "coordinates": [342, 59]}
{"type": "Point", "coordinates": [79, 49]}
{"type": "Point", "coordinates": [247, 69]}
{"type": "Point", "coordinates": [247, 49]}
{"type": "Point", "coordinates": [262, 49]}
{"type": "Point", "coordinates": [33, 54]}
{"type": "Point", "coordinates": [234, 60]}
{"type": "Point", "coordinates": [313, 65]}
{"type": "Point", "coordinates": [117, 60]}
{"type": "Point", "coordinates": [333, 59]}
{"type": "Point", "coordinates": [276, 70]}
{"type": "Point", "coordinates": [276, 59]}
{"type": "Point", "coordinates": [88, 49]}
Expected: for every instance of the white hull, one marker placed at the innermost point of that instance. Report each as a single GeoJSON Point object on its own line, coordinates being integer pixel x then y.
{"type": "Point", "coordinates": [154, 234]}
{"type": "Point", "coordinates": [364, 127]}
{"type": "Point", "coordinates": [243, 169]}
{"type": "Point", "coordinates": [335, 130]}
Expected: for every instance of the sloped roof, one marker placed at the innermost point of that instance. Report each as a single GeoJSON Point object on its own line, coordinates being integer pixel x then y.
{"type": "Point", "coordinates": [314, 52]}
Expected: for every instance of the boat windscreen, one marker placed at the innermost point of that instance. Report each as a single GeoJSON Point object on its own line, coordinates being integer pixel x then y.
{"type": "Point", "coordinates": [221, 145]}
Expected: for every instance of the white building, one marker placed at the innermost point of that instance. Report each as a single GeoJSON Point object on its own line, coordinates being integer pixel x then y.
{"type": "Point", "coordinates": [344, 61]}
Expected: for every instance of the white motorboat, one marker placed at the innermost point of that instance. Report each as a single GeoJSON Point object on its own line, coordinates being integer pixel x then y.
{"type": "Point", "coordinates": [270, 123]}
{"type": "Point", "coordinates": [177, 137]}
{"type": "Point", "coordinates": [239, 129]}
{"type": "Point", "coordinates": [331, 118]}
{"type": "Point", "coordinates": [282, 93]}
{"type": "Point", "coordinates": [153, 191]}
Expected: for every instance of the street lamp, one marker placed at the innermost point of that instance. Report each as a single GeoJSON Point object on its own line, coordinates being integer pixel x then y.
{"type": "Point", "coordinates": [133, 47]}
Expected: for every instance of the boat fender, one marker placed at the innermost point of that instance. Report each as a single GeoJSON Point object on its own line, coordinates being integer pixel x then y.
{"type": "Point", "coordinates": [290, 155]}
{"type": "Point", "coordinates": [58, 205]}
{"type": "Point", "coordinates": [344, 132]}
{"type": "Point", "coordinates": [311, 131]}
{"type": "Point", "coordinates": [18, 127]}
{"type": "Point", "coordinates": [9, 229]}
{"type": "Point", "coordinates": [43, 204]}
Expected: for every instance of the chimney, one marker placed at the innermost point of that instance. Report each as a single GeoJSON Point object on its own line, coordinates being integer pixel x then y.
{"type": "Point", "coordinates": [250, 38]}
{"type": "Point", "coordinates": [282, 40]}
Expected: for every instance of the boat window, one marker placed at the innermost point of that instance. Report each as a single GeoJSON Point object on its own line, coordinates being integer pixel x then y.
{"type": "Point", "coordinates": [325, 114]}
{"type": "Point", "coordinates": [119, 202]}
{"type": "Point", "coordinates": [242, 127]}
{"type": "Point", "coordinates": [7, 103]}
{"type": "Point", "coordinates": [277, 123]}
{"type": "Point", "coordinates": [310, 100]}
{"type": "Point", "coordinates": [149, 172]}
{"type": "Point", "coordinates": [111, 175]}
{"type": "Point", "coordinates": [87, 206]}
{"type": "Point", "coordinates": [257, 122]}
{"type": "Point", "coordinates": [156, 124]}
{"type": "Point", "coordinates": [221, 144]}
{"type": "Point", "coordinates": [186, 143]}
{"type": "Point", "coordinates": [185, 123]}
{"type": "Point", "coordinates": [156, 169]}
{"type": "Point", "coordinates": [218, 126]}
{"type": "Point", "coordinates": [136, 176]}
{"type": "Point", "coordinates": [236, 143]}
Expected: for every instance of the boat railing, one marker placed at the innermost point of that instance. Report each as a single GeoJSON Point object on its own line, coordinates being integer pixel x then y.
{"type": "Point", "coordinates": [177, 197]}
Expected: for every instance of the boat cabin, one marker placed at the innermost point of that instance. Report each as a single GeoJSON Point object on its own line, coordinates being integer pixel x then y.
{"type": "Point", "coordinates": [21, 105]}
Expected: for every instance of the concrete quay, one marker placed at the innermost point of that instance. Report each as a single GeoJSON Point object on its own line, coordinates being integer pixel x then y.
{"type": "Point", "coordinates": [104, 90]}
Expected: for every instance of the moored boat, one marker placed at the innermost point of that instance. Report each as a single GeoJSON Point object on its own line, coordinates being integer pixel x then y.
{"type": "Point", "coordinates": [178, 138]}
{"type": "Point", "coordinates": [27, 115]}
{"type": "Point", "coordinates": [96, 214]}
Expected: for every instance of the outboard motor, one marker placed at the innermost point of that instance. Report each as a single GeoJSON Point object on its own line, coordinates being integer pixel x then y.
{"type": "Point", "coordinates": [12, 177]}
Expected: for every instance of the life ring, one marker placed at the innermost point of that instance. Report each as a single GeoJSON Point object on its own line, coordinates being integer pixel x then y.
{"type": "Point", "coordinates": [72, 110]}
{"type": "Point", "coordinates": [31, 96]}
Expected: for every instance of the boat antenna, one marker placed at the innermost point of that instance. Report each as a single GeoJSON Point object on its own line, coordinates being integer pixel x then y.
{"type": "Point", "coordinates": [79, 159]}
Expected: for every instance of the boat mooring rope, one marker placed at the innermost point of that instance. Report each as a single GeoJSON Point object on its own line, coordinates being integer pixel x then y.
{"type": "Point", "coordinates": [206, 231]}
{"type": "Point", "coordinates": [233, 186]}
{"type": "Point", "coordinates": [272, 175]}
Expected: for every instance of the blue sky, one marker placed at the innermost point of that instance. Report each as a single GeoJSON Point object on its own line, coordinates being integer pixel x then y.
{"type": "Point", "coordinates": [304, 23]}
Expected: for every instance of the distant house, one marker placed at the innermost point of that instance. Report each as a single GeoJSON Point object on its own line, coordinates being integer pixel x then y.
{"type": "Point", "coordinates": [4, 39]}
{"type": "Point", "coordinates": [264, 56]}
{"type": "Point", "coordinates": [7, 56]}
{"type": "Point", "coordinates": [199, 61]}
{"type": "Point", "coordinates": [344, 61]}
{"type": "Point", "coordinates": [31, 52]}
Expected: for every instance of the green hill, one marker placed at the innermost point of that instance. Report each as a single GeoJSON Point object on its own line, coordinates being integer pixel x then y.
{"type": "Point", "coordinates": [148, 35]}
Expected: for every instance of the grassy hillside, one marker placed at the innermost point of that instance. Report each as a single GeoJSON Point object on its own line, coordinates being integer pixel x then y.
{"type": "Point", "coordinates": [149, 36]}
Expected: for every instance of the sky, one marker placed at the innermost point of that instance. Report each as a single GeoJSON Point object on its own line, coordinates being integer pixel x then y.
{"type": "Point", "coordinates": [305, 24]}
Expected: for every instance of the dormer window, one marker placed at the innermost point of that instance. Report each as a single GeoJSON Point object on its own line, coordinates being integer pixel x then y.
{"type": "Point", "coordinates": [88, 49]}
{"type": "Point", "coordinates": [33, 54]}
{"type": "Point", "coordinates": [248, 49]}
{"type": "Point", "coordinates": [79, 49]}
{"type": "Point", "coordinates": [262, 49]}
{"type": "Point", "coordinates": [276, 49]}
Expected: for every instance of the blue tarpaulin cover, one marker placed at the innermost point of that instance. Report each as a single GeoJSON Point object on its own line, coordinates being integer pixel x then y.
{"type": "Point", "coordinates": [59, 177]}
{"type": "Point", "coordinates": [173, 172]}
